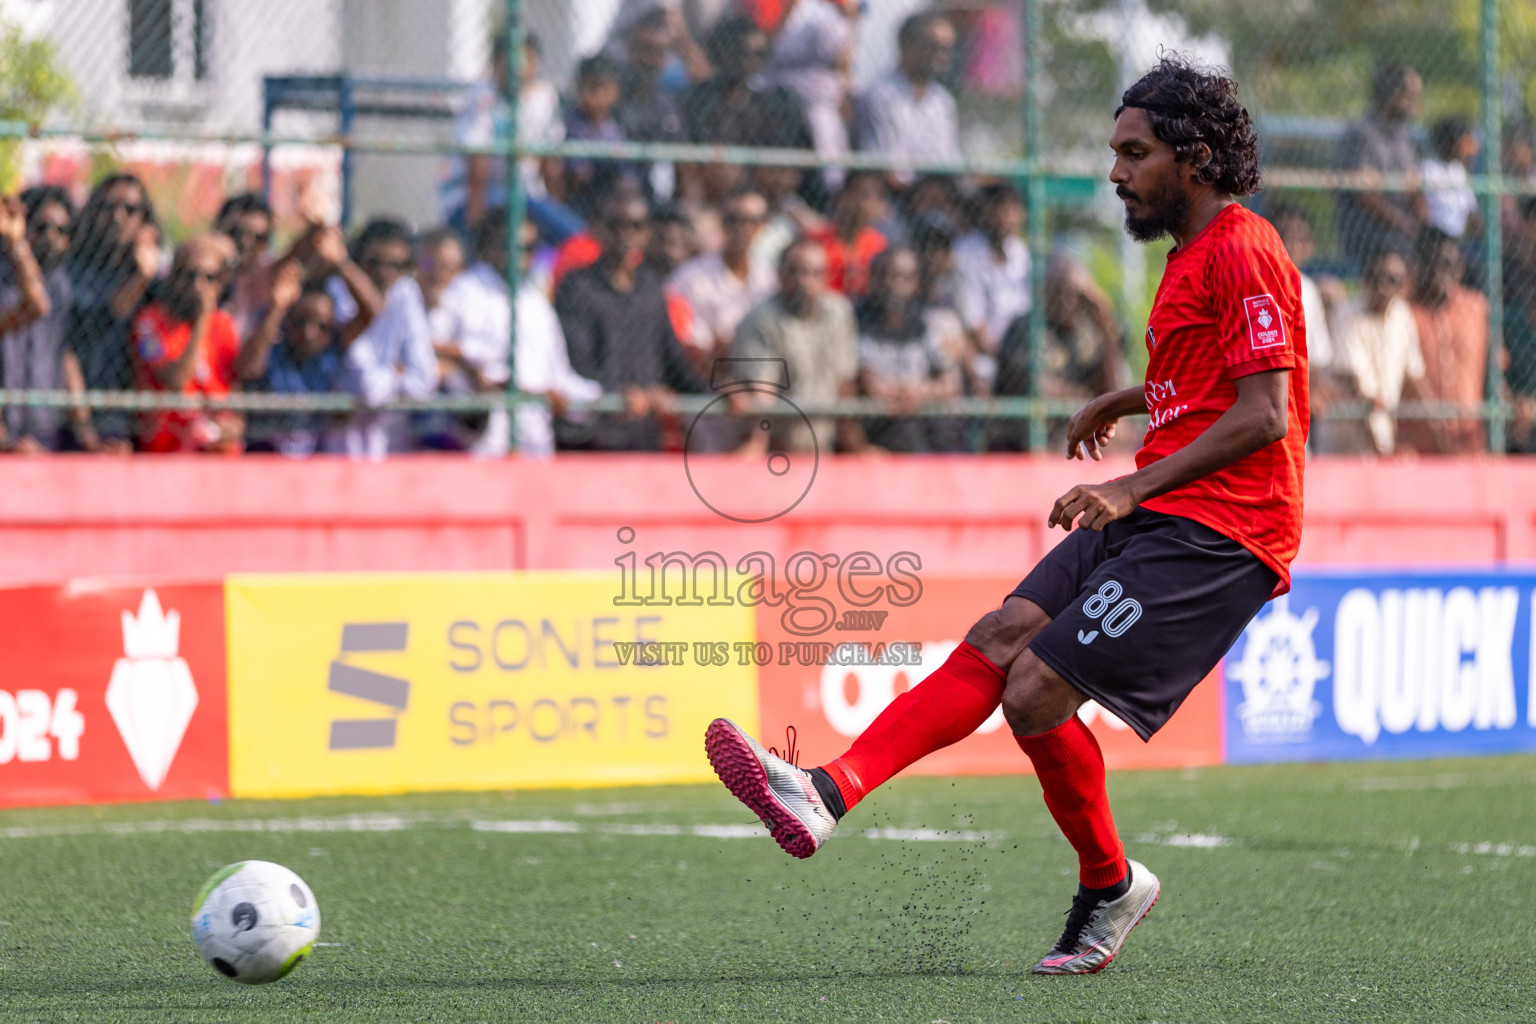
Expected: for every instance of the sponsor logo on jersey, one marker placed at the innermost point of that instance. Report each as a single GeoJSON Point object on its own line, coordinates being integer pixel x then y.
{"type": "Point", "coordinates": [1265, 328]}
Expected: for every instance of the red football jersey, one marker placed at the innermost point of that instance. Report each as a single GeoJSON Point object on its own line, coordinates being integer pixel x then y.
{"type": "Point", "coordinates": [1229, 305]}
{"type": "Point", "coordinates": [158, 341]}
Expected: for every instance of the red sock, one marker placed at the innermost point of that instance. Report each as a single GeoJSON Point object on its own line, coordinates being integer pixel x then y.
{"type": "Point", "coordinates": [1071, 770]}
{"type": "Point", "coordinates": [944, 708]}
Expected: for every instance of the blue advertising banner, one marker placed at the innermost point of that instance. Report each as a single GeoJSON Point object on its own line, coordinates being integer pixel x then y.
{"type": "Point", "coordinates": [1361, 665]}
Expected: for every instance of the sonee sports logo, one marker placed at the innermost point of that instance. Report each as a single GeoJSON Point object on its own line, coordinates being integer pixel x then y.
{"type": "Point", "coordinates": [365, 684]}
{"type": "Point", "coordinates": [1113, 615]}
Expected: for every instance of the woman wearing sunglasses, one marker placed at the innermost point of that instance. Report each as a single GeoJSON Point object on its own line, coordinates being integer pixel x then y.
{"type": "Point", "coordinates": [183, 343]}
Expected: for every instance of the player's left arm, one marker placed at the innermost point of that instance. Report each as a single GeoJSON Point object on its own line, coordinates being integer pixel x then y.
{"type": "Point", "coordinates": [1256, 419]}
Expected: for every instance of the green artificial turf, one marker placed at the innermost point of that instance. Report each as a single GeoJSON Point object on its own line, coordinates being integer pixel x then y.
{"type": "Point", "coordinates": [1375, 892]}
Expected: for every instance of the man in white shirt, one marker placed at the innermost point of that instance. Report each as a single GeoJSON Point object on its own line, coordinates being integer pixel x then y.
{"type": "Point", "coordinates": [393, 358]}
{"type": "Point", "coordinates": [992, 284]}
{"type": "Point", "coordinates": [723, 287]}
{"type": "Point", "coordinates": [478, 329]}
{"type": "Point", "coordinates": [908, 113]}
{"type": "Point", "coordinates": [1376, 358]}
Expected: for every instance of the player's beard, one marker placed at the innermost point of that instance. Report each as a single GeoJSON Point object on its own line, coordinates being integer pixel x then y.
{"type": "Point", "coordinates": [1168, 208]}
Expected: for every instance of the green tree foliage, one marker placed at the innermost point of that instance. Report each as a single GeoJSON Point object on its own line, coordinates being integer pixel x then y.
{"type": "Point", "coordinates": [1296, 58]}
{"type": "Point", "coordinates": [1318, 56]}
{"type": "Point", "coordinates": [32, 83]}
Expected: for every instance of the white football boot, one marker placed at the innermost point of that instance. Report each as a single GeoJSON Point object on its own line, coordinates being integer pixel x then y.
{"type": "Point", "coordinates": [776, 791]}
{"type": "Point", "coordinates": [1096, 930]}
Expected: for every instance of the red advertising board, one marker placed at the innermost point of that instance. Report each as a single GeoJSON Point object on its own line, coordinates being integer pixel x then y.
{"type": "Point", "coordinates": [829, 704]}
{"type": "Point", "coordinates": [112, 692]}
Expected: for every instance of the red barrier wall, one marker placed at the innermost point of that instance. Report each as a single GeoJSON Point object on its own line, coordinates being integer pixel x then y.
{"type": "Point", "coordinates": [984, 515]}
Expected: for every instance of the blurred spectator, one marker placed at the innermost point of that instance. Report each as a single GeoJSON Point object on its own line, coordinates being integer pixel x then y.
{"type": "Point", "coordinates": [931, 197]}
{"type": "Point", "coordinates": [933, 239]}
{"type": "Point", "coordinates": [114, 255]}
{"type": "Point", "coordinates": [246, 220]}
{"type": "Point", "coordinates": [1452, 324]}
{"type": "Point", "coordinates": [475, 348]}
{"type": "Point", "coordinates": [1520, 321]}
{"type": "Point", "coordinates": [583, 249]}
{"type": "Point", "coordinates": [392, 357]}
{"type": "Point", "coordinates": [1294, 226]}
{"type": "Point", "coordinates": [703, 15]}
{"type": "Point", "coordinates": [734, 107]}
{"type": "Point", "coordinates": [680, 24]}
{"type": "Point", "coordinates": [902, 360]}
{"type": "Point", "coordinates": [673, 243]}
{"type": "Point", "coordinates": [1379, 144]}
{"type": "Point", "coordinates": [618, 333]}
{"type": "Point", "coordinates": [908, 113]}
{"type": "Point", "coordinates": [34, 305]}
{"type": "Point", "coordinates": [1376, 355]}
{"type": "Point", "coordinates": [298, 349]}
{"type": "Point", "coordinates": [440, 259]}
{"type": "Point", "coordinates": [992, 278]}
{"type": "Point", "coordinates": [471, 185]}
{"type": "Point", "coordinates": [811, 57]}
{"type": "Point", "coordinates": [1449, 203]}
{"type": "Point", "coordinates": [851, 238]}
{"type": "Point", "coordinates": [591, 119]}
{"type": "Point", "coordinates": [647, 112]}
{"type": "Point", "coordinates": [1519, 162]}
{"type": "Point", "coordinates": [721, 288]}
{"type": "Point", "coordinates": [812, 329]}
{"type": "Point", "coordinates": [789, 216]}
{"type": "Point", "coordinates": [1081, 355]}
{"type": "Point", "coordinates": [183, 343]}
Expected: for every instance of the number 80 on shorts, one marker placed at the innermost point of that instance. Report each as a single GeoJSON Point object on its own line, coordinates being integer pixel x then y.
{"type": "Point", "coordinates": [1114, 615]}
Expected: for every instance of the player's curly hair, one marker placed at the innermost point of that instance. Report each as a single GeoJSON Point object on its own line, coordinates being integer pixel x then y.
{"type": "Point", "coordinates": [1189, 105]}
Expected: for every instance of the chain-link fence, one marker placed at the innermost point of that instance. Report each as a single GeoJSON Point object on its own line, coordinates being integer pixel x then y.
{"type": "Point", "coordinates": [301, 225]}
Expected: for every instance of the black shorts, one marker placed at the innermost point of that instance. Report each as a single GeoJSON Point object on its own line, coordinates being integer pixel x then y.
{"type": "Point", "coordinates": [1142, 611]}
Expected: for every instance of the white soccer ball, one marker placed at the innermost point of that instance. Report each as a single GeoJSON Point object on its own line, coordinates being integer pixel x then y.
{"type": "Point", "coordinates": [254, 921]}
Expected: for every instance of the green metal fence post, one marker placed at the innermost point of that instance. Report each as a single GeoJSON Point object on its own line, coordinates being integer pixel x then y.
{"type": "Point", "coordinates": [1034, 53]}
{"type": "Point", "coordinates": [515, 211]}
{"type": "Point", "coordinates": [1492, 195]}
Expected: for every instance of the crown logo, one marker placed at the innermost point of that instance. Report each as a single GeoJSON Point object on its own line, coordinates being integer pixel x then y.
{"type": "Point", "coordinates": [153, 634]}
{"type": "Point", "coordinates": [151, 695]}
{"type": "Point", "coordinates": [1265, 319]}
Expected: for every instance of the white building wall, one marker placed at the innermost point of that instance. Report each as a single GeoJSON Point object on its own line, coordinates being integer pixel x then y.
{"type": "Point", "coordinates": [437, 39]}
{"type": "Point", "coordinates": [249, 40]}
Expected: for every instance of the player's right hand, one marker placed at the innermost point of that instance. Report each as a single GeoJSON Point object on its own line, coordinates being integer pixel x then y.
{"type": "Point", "coordinates": [1088, 431]}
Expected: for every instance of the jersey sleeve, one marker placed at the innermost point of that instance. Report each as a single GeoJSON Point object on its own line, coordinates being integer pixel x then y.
{"type": "Point", "coordinates": [1255, 293]}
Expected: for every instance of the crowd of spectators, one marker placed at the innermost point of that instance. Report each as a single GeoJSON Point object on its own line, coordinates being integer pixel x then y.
{"type": "Point", "coordinates": [1413, 322]}
{"type": "Point", "coordinates": [638, 277]}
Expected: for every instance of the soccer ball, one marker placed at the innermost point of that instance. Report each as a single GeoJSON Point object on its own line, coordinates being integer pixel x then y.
{"type": "Point", "coordinates": [254, 921]}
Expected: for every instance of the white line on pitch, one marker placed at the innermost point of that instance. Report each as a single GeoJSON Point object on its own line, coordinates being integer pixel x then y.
{"type": "Point", "coordinates": [401, 822]}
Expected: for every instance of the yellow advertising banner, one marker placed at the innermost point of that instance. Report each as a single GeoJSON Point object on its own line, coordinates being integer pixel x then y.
{"type": "Point", "coordinates": [391, 683]}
